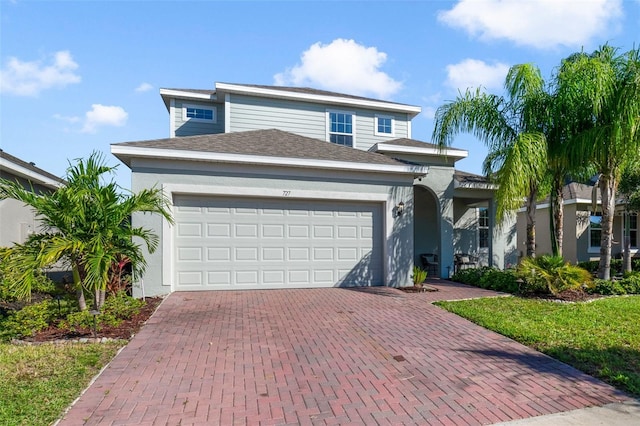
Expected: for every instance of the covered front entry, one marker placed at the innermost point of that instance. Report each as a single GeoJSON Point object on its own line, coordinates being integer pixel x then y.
{"type": "Point", "coordinates": [250, 243]}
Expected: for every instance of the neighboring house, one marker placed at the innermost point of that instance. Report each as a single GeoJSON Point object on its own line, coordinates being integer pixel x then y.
{"type": "Point", "coordinates": [17, 221]}
{"type": "Point", "coordinates": [581, 226]}
{"type": "Point", "coordinates": [274, 187]}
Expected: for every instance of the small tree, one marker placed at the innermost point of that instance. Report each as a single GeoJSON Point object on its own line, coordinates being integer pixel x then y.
{"type": "Point", "coordinates": [87, 224]}
{"type": "Point", "coordinates": [629, 189]}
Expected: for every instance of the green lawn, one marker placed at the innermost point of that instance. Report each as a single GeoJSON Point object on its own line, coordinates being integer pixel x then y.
{"type": "Point", "coordinates": [37, 383]}
{"type": "Point", "coordinates": [601, 338]}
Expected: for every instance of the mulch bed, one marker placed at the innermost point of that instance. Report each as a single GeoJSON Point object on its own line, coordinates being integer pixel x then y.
{"type": "Point", "coordinates": [125, 330]}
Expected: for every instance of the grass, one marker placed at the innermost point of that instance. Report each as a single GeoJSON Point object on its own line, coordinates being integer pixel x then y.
{"type": "Point", "coordinates": [601, 337]}
{"type": "Point", "coordinates": [37, 383]}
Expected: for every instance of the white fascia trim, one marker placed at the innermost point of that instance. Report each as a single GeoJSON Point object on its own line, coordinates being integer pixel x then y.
{"type": "Point", "coordinates": [455, 153]}
{"type": "Point", "coordinates": [275, 93]}
{"type": "Point", "coordinates": [474, 185]}
{"type": "Point", "coordinates": [188, 95]}
{"type": "Point", "coordinates": [30, 175]}
{"type": "Point", "coordinates": [257, 159]}
{"type": "Point", "coordinates": [565, 202]}
{"type": "Point", "coordinates": [172, 118]}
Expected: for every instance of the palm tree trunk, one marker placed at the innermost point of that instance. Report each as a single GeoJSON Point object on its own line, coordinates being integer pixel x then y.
{"type": "Point", "coordinates": [607, 190]}
{"type": "Point", "coordinates": [82, 303]}
{"type": "Point", "coordinates": [556, 219]}
{"type": "Point", "coordinates": [531, 223]}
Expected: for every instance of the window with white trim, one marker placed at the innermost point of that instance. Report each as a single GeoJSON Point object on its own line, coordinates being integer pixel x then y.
{"type": "Point", "coordinates": [384, 125]}
{"type": "Point", "coordinates": [340, 127]}
{"type": "Point", "coordinates": [632, 219]}
{"type": "Point", "coordinates": [483, 228]}
{"type": "Point", "coordinates": [595, 230]}
{"type": "Point", "coordinates": [199, 113]}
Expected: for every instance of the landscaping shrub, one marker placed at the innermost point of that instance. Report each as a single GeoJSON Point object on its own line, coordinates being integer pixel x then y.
{"type": "Point", "coordinates": [116, 308]}
{"type": "Point", "coordinates": [468, 276]}
{"type": "Point", "coordinates": [28, 320]}
{"type": "Point", "coordinates": [607, 288]}
{"type": "Point", "coordinates": [419, 275]}
{"type": "Point", "coordinates": [499, 280]}
{"type": "Point", "coordinates": [557, 274]}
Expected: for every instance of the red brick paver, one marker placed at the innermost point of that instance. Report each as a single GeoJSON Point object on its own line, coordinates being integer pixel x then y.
{"type": "Point", "coordinates": [327, 356]}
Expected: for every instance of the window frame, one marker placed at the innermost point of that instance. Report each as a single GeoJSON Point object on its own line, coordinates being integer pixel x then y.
{"type": "Point", "coordinates": [591, 247]}
{"type": "Point", "coordinates": [486, 228]}
{"type": "Point", "coordinates": [376, 125]}
{"type": "Point", "coordinates": [211, 108]}
{"type": "Point", "coordinates": [632, 230]}
{"type": "Point", "coordinates": [353, 126]}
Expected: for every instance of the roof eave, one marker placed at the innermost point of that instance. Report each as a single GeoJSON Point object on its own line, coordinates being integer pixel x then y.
{"type": "Point", "coordinates": [29, 175]}
{"type": "Point", "coordinates": [411, 110]}
{"type": "Point", "coordinates": [126, 153]}
{"type": "Point", "coordinates": [456, 154]}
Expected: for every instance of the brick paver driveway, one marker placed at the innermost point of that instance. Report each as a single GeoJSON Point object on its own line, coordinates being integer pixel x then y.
{"type": "Point", "coordinates": [327, 356]}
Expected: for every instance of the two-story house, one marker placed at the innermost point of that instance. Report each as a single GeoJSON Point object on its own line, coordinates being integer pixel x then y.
{"type": "Point", "coordinates": [18, 221]}
{"type": "Point", "coordinates": [276, 187]}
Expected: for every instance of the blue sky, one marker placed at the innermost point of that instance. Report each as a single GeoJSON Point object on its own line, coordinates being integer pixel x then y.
{"type": "Point", "coordinates": [78, 76]}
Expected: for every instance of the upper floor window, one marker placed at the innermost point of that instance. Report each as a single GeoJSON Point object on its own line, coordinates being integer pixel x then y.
{"type": "Point", "coordinates": [340, 128]}
{"type": "Point", "coordinates": [632, 219]}
{"type": "Point", "coordinates": [198, 113]}
{"type": "Point", "coordinates": [595, 230]}
{"type": "Point", "coordinates": [384, 125]}
{"type": "Point", "coordinates": [483, 227]}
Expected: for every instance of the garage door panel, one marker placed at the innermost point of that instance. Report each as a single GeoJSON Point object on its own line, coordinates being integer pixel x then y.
{"type": "Point", "coordinates": [256, 243]}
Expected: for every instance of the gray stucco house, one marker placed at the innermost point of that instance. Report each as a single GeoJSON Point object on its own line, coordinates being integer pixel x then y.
{"type": "Point", "coordinates": [276, 187]}
{"type": "Point", "coordinates": [18, 221]}
{"type": "Point", "coordinates": [581, 226]}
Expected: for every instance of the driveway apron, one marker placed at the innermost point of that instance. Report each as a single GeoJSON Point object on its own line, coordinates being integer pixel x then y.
{"type": "Point", "coordinates": [327, 356]}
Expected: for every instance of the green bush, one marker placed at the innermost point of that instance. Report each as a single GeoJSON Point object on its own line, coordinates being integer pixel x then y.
{"type": "Point", "coordinates": [468, 276]}
{"type": "Point", "coordinates": [557, 274]}
{"type": "Point", "coordinates": [631, 282]}
{"type": "Point", "coordinates": [607, 288]}
{"type": "Point", "coordinates": [419, 275]}
{"type": "Point", "coordinates": [28, 320]}
{"type": "Point", "coordinates": [42, 283]}
{"type": "Point", "coordinates": [116, 308]}
{"type": "Point", "coordinates": [499, 280]}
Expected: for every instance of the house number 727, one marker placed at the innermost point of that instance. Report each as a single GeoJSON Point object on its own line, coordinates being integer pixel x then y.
{"type": "Point", "coordinates": [286, 193]}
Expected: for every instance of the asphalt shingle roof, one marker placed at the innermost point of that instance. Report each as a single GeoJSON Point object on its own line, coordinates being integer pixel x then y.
{"type": "Point", "coordinates": [29, 166]}
{"type": "Point", "coordinates": [270, 142]}
{"type": "Point", "coordinates": [303, 90]}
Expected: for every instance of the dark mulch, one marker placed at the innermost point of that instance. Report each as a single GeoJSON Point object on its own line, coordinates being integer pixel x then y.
{"type": "Point", "coordinates": [125, 330]}
{"type": "Point", "coordinates": [568, 296]}
{"type": "Point", "coordinates": [415, 289]}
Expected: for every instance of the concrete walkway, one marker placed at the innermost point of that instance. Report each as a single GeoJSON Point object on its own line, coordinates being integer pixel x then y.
{"type": "Point", "coordinates": [328, 356]}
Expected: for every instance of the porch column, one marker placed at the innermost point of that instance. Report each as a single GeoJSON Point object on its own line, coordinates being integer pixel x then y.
{"type": "Point", "coordinates": [496, 254]}
{"type": "Point", "coordinates": [446, 231]}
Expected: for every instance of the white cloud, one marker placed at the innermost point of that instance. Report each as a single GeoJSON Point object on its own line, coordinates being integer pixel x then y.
{"type": "Point", "coordinates": [144, 87]}
{"type": "Point", "coordinates": [473, 73]}
{"type": "Point", "coordinates": [103, 115]}
{"type": "Point", "coordinates": [343, 66]}
{"type": "Point", "coordinates": [542, 24]}
{"type": "Point", "coordinates": [429, 112]}
{"type": "Point", "coordinates": [30, 78]}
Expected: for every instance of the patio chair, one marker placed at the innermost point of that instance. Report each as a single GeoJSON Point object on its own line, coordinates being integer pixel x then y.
{"type": "Point", "coordinates": [464, 261]}
{"type": "Point", "coordinates": [430, 263]}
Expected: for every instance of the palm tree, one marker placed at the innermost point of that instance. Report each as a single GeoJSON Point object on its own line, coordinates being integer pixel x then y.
{"type": "Point", "coordinates": [603, 88]}
{"type": "Point", "coordinates": [87, 225]}
{"type": "Point", "coordinates": [513, 128]}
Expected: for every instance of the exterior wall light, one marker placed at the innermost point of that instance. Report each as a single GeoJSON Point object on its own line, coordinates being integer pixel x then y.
{"type": "Point", "coordinates": [400, 209]}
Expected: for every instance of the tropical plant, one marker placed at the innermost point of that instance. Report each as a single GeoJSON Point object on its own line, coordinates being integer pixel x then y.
{"type": "Point", "coordinates": [603, 91]}
{"type": "Point", "coordinates": [86, 225]}
{"type": "Point", "coordinates": [419, 275]}
{"type": "Point", "coordinates": [629, 189]}
{"type": "Point", "coordinates": [513, 128]}
{"type": "Point", "coordinates": [554, 272]}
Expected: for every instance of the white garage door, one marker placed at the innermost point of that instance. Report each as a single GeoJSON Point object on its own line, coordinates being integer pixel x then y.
{"type": "Point", "coordinates": [236, 243]}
